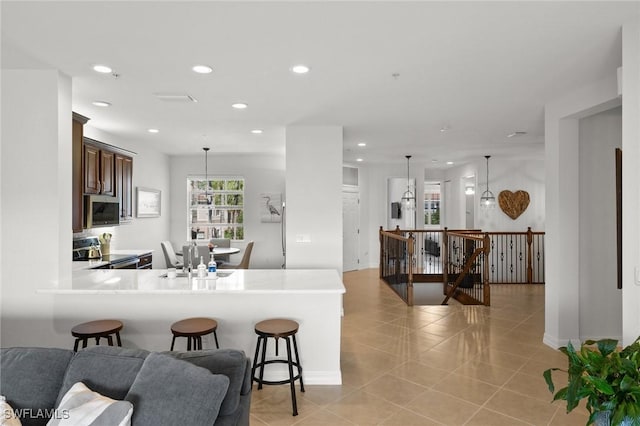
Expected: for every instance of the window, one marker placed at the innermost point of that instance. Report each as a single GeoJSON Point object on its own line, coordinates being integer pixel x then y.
{"type": "Point", "coordinates": [431, 203]}
{"type": "Point", "coordinates": [216, 210]}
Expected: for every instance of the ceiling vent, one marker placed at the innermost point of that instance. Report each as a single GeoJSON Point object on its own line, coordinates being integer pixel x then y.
{"type": "Point", "coordinates": [175, 97]}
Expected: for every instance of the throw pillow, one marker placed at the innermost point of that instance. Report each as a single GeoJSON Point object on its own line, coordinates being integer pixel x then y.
{"type": "Point", "coordinates": [8, 416]}
{"type": "Point", "coordinates": [80, 406]}
{"type": "Point", "coordinates": [170, 392]}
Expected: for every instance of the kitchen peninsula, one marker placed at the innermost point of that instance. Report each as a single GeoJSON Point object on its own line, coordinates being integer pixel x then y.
{"type": "Point", "coordinates": [148, 303]}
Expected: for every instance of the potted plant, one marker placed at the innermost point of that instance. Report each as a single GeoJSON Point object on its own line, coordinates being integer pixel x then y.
{"type": "Point", "coordinates": [608, 378]}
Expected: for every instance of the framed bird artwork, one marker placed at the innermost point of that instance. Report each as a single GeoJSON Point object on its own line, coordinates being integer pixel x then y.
{"type": "Point", "coordinates": [271, 207]}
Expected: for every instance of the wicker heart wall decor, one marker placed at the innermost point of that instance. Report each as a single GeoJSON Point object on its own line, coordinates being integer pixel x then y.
{"type": "Point", "coordinates": [513, 203]}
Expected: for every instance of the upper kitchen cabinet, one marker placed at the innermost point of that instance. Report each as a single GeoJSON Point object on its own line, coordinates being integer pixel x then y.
{"type": "Point", "coordinates": [124, 185]}
{"type": "Point", "coordinates": [99, 169]}
{"type": "Point", "coordinates": [77, 191]}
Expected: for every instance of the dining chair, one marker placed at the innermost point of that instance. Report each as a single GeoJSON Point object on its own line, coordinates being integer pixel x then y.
{"type": "Point", "coordinates": [170, 256]}
{"type": "Point", "coordinates": [244, 263]}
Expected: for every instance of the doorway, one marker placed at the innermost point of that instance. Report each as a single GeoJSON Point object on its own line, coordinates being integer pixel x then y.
{"type": "Point", "coordinates": [350, 229]}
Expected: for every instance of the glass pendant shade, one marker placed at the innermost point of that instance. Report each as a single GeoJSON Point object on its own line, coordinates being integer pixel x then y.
{"type": "Point", "coordinates": [409, 202]}
{"type": "Point", "coordinates": [487, 199]}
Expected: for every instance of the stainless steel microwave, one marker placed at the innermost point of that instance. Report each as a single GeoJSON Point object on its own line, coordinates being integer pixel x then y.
{"type": "Point", "coordinates": [101, 210]}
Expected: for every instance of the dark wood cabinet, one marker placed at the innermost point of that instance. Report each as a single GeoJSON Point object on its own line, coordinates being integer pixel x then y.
{"type": "Point", "coordinates": [124, 185]}
{"type": "Point", "coordinates": [99, 169]}
{"type": "Point", "coordinates": [77, 181]}
{"type": "Point", "coordinates": [146, 261]}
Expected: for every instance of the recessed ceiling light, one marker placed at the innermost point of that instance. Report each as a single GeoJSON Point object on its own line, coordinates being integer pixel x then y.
{"type": "Point", "coordinates": [153, 130]}
{"type": "Point", "coordinates": [449, 163]}
{"type": "Point", "coordinates": [239, 105]}
{"type": "Point", "coordinates": [256, 131]}
{"type": "Point", "coordinates": [102, 69]}
{"type": "Point", "coordinates": [359, 160]}
{"type": "Point", "coordinates": [101, 103]}
{"type": "Point", "coordinates": [362, 144]}
{"type": "Point", "coordinates": [444, 129]}
{"type": "Point", "coordinates": [202, 69]}
{"type": "Point", "coordinates": [300, 69]}
{"type": "Point", "coordinates": [434, 160]}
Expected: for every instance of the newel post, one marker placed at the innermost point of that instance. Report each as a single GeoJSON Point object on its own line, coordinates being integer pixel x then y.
{"type": "Point", "coordinates": [409, 263]}
{"type": "Point", "coordinates": [529, 256]}
{"type": "Point", "coordinates": [487, 288]}
{"type": "Point", "coordinates": [381, 251]}
{"type": "Point", "coordinates": [445, 260]}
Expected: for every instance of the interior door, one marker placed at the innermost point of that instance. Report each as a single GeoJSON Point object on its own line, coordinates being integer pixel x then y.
{"type": "Point", "coordinates": [350, 230]}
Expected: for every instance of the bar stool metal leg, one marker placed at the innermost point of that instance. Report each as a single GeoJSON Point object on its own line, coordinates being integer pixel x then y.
{"type": "Point", "coordinates": [215, 336]}
{"type": "Point", "coordinates": [262, 363]}
{"type": "Point", "coordinates": [291, 381]}
{"type": "Point", "coordinates": [295, 350]}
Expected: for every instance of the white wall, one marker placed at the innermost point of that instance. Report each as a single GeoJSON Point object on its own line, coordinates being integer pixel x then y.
{"type": "Point", "coordinates": [150, 170]}
{"type": "Point", "coordinates": [262, 174]}
{"type": "Point", "coordinates": [600, 135]}
{"type": "Point", "coordinates": [36, 198]}
{"type": "Point", "coordinates": [314, 197]}
{"type": "Point", "coordinates": [630, 178]}
{"type": "Point", "coordinates": [562, 268]}
{"type": "Point", "coordinates": [511, 175]}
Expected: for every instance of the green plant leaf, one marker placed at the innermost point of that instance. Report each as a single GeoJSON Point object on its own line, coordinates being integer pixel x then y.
{"type": "Point", "coordinates": [607, 346]}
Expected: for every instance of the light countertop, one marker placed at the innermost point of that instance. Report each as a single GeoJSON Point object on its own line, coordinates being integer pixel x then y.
{"type": "Point", "coordinates": [80, 265]}
{"type": "Point", "coordinates": [151, 281]}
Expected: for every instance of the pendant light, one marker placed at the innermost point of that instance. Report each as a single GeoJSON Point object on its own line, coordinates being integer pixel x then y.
{"type": "Point", "coordinates": [487, 200]}
{"type": "Point", "coordinates": [408, 198]}
{"type": "Point", "coordinates": [206, 175]}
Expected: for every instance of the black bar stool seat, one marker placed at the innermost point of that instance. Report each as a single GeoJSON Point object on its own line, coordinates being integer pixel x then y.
{"type": "Point", "coordinates": [96, 330]}
{"type": "Point", "coordinates": [193, 329]}
{"type": "Point", "coordinates": [277, 328]}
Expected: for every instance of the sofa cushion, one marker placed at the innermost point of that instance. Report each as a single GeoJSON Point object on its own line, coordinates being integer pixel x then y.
{"type": "Point", "coordinates": [169, 392]}
{"type": "Point", "coordinates": [230, 362]}
{"type": "Point", "coordinates": [107, 370]}
{"type": "Point", "coordinates": [31, 379]}
{"type": "Point", "coordinates": [80, 406]}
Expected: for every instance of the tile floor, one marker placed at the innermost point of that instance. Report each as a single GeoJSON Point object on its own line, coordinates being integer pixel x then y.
{"type": "Point", "coordinates": [431, 365]}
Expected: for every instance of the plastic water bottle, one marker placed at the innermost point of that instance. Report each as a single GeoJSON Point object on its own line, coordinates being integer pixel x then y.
{"type": "Point", "coordinates": [212, 268]}
{"type": "Point", "coordinates": [202, 269]}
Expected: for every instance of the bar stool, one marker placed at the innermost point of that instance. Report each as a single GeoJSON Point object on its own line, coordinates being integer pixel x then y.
{"type": "Point", "coordinates": [278, 328]}
{"type": "Point", "coordinates": [95, 330]}
{"type": "Point", "coordinates": [193, 329]}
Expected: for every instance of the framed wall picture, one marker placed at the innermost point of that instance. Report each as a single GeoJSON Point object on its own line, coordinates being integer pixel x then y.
{"type": "Point", "coordinates": [148, 202]}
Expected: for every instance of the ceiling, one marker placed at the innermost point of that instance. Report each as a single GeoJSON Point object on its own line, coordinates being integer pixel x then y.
{"type": "Point", "coordinates": [392, 73]}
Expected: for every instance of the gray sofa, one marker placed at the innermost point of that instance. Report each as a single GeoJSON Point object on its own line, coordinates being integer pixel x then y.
{"type": "Point", "coordinates": [211, 387]}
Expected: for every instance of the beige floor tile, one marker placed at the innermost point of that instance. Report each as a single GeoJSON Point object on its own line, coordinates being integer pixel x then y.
{"type": "Point", "coordinates": [427, 365]}
{"type": "Point", "coordinates": [444, 408]}
{"type": "Point", "coordinates": [486, 417]}
{"type": "Point", "coordinates": [277, 409]}
{"type": "Point", "coordinates": [323, 418]}
{"type": "Point", "coordinates": [419, 373]}
{"type": "Point", "coordinates": [448, 361]}
{"type": "Point", "coordinates": [488, 373]}
{"type": "Point", "coordinates": [522, 407]}
{"type": "Point", "coordinates": [496, 356]}
{"type": "Point", "coordinates": [533, 387]}
{"type": "Point", "coordinates": [363, 408]}
{"type": "Point", "coordinates": [466, 388]}
{"type": "Point", "coordinates": [408, 418]}
{"type": "Point", "coordinates": [254, 421]}
{"type": "Point", "coordinates": [394, 389]}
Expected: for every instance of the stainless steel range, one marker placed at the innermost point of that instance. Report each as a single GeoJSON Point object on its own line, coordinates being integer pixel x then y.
{"type": "Point", "coordinates": [88, 248]}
